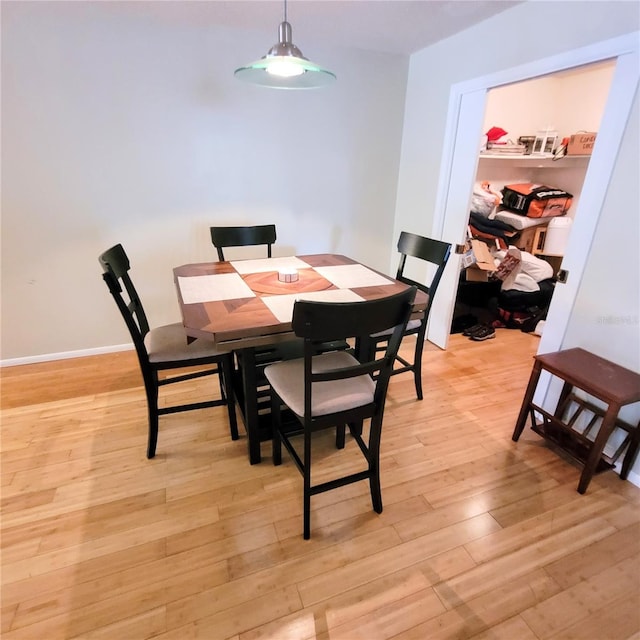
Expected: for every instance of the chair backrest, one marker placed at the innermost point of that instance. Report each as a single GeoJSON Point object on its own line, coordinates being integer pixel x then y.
{"type": "Point", "coordinates": [322, 322]}
{"type": "Point", "coordinates": [222, 237]}
{"type": "Point", "coordinates": [435, 252]}
{"type": "Point", "coordinates": [115, 265]}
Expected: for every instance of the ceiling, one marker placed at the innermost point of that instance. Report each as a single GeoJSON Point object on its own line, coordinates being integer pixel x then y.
{"type": "Point", "coordinates": [390, 26]}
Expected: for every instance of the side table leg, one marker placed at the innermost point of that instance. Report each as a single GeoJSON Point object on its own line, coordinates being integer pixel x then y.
{"type": "Point", "coordinates": [567, 387]}
{"type": "Point", "coordinates": [607, 426]}
{"type": "Point", "coordinates": [528, 396]}
{"type": "Point", "coordinates": [631, 454]}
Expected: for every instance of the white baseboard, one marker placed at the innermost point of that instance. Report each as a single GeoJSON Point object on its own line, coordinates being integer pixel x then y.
{"type": "Point", "coordinates": [65, 355]}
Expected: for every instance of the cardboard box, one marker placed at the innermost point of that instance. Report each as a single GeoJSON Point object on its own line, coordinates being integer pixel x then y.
{"type": "Point", "coordinates": [581, 144]}
{"type": "Point", "coordinates": [472, 274]}
{"type": "Point", "coordinates": [478, 261]}
{"type": "Point", "coordinates": [531, 239]}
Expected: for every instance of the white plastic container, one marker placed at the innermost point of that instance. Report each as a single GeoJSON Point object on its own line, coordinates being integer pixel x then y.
{"type": "Point", "coordinates": [557, 236]}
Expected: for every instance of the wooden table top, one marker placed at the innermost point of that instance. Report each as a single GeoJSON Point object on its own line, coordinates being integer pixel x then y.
{"type": "Point", "coordinates": [251, 307]}
{"type": "Point", "coordinates": [593, 374]}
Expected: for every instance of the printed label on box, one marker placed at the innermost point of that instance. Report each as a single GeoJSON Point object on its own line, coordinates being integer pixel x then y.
{"type": "Point", "coordinates": [505, 268]}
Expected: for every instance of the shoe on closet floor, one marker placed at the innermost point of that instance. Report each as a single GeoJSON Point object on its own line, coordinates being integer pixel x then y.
{"type": "Point", "coordinates": [485, 333]}
{"type": "Point", "coordinates": [472, 330]}
{"type": "Point", "coordinates": [464, 322]}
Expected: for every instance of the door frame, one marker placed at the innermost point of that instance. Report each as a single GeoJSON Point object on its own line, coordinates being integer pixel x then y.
{"type": "Point", "coordinates": [459, 166]}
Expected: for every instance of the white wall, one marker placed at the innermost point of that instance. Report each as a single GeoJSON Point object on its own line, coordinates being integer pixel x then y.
{"type": "Point", "coordinates": [569, 102]}
{"type": "Point", "coordinates": [496, 44]}
{"type": "Point", "coordinates": [120, 129]}
{"type": "Point", "coordinates": [606, 315]}
{"type": "Point", "coordinates": [605, 318]}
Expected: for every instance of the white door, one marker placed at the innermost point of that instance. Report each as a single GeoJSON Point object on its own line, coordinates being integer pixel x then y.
{"type": "Point", "coordinates": [460, 157]}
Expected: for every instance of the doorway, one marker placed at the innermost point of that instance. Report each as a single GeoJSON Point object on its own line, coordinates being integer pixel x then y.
{"type": "Point", "coordinates": [459, 166]}
{"type": "Point", "coordinates": [567, 101]}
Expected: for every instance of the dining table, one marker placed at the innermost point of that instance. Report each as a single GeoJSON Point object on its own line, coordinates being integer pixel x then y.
{"type": "Point", "coordinates": [246, 306]}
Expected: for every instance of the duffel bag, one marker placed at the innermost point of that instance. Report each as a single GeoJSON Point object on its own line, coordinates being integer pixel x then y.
{"type": "Point", "coordinates": [536, 200]}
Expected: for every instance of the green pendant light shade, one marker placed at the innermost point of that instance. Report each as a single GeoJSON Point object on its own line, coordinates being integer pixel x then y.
{"type": "Point", "coordinates": [284, 66]}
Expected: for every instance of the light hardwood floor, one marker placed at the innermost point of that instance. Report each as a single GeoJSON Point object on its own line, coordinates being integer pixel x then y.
{"type": "Point", "coordinates": [480, 537]}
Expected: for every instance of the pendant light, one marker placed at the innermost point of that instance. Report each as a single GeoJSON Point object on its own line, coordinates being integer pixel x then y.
{"type": "Point", "coordinates": [284, 66]}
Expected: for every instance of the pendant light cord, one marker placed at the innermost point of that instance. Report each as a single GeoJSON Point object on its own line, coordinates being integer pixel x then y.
{"type": "Point", "coordinates": [285, 10]}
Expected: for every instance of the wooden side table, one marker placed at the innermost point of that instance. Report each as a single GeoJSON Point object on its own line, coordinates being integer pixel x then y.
{"type": "Point", "coordinates": [612, 384]}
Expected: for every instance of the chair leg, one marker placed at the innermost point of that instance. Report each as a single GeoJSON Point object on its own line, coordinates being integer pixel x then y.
{"type": "Point", "coordinates": [376, 493]}
{"type": "Point", "coordinates": [276, 441]}
{"type": "Point", "coordinates": [226, 388]}
{"type": "Point", "coordinates": [152, 409]}
{"type": "Point", "coordinates": [153, 433]}
{"type": "Point", "coordinates": [417, 365]}
{"type": "Point", "coordinates": [374, 485]}
{"type": "Point", "coordinates": [374, 467]}
{"type": "Point", "coordinates": [307, 486]}
{"type": "Point", "coordinates": [340, 431]}
{"type": "Point", "coordinates": [356, 427]}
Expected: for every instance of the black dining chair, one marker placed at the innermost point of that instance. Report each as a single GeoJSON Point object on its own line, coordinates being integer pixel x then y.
{"type": "Point", "coordinates": [248, 236]}
{"type": "Point", "coordinates": [165, 348]}
{"type": "Point", "coordinates": [436, 253]}
{"type": "Point", "coordinates": [335, 389]}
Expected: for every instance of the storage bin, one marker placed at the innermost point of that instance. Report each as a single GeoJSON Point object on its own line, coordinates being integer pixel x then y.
{"type": "Point", "coordinates": [557, 236]}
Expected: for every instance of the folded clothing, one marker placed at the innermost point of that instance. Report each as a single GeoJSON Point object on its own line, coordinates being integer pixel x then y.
{"type": "Point", "coordinates": [516, 220]}
{"type": "Point", "coordinates": [482, 227]}
{"type": "Point", "coordinates": [476, 233]}
{"type": "Point", "coordinates": [490, 224]}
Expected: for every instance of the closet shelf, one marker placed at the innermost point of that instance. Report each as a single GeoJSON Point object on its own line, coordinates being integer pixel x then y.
{"type": "Point", "coordinates": [537, 161]}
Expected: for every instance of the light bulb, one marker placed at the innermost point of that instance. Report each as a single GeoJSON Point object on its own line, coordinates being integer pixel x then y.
{"type": "Point", "coordinates": [284, 67]}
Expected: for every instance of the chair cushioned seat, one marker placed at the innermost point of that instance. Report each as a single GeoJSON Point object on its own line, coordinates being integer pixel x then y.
{"type": "Point", "coordinates": [287, 379]}
{"type": "Point", "coordinates": [169, 344]}
{"type": "Point", "coordinates": [412, 324]}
